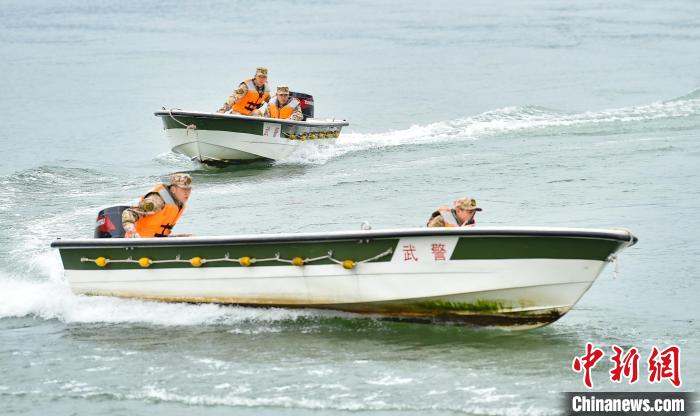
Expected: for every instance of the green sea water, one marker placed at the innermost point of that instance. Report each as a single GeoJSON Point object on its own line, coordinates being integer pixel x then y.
{"type": "Point", "coordinates": [550, 114]}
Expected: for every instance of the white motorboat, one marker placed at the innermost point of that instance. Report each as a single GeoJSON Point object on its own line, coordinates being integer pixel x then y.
{"type": "Point", "coordinates": [214, 138]}
{"type": "Point", "coordinates": [520, 277]}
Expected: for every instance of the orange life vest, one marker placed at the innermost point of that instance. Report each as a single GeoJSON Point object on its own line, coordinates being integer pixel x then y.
{"type": "Point", "coordinates": [252, 100]}
{"type": "Point", "coordinates": [450, 218]}
{"type": "Point", "coordinates": [161, 223]}
{"type": "Point", "coordinates": [286, 111]}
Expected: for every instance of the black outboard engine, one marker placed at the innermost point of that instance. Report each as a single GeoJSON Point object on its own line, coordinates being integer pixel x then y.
{"type": "Point", "coordinates": [306, 102]}
{"type": "Point", "coordinates": [109, 222]}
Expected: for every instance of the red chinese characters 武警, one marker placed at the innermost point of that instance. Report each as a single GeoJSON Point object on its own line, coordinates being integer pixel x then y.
{"type": "Point", "coordinates": [409, 252]}
{"type": "Point", "coordinates": [438, 250]}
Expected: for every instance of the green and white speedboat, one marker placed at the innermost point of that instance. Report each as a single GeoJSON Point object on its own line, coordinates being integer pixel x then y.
{"type": "Point", "coordinates": [516, 277]}
{"type": "Point", "coordinates": [214, 138]}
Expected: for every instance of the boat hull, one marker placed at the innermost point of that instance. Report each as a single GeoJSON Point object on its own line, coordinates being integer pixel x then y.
{"type": "Point", "coordinates": [519, 281]}
{"type": "Point", "coordinates": [213, 138]}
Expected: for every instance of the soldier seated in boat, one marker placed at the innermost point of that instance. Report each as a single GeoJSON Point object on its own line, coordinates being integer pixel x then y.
{"type": "Point", "coordinates": [462, 215]}
{"type": "Point", "coordinates": [158, 210]}
{"type": "Point", "coordinates": [281, 106]}
{"type": "Point", "coordinates": [249, 96]}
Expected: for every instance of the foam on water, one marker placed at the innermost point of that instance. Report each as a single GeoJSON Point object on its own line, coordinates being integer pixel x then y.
{"type": "Point", "coordinates": [39, 289]}
{"type": "Point", "coordinates": [53, 299]}
{"type": "Point", "coordinates": [32, 283]}
{"type": "Point", "coordinates": [347, 402]}
{"type": "Point", "coordinates": [529, 120]}
{"type": "Point", "coordinates": [238, 398]}
{"type": "Point", "coordinates": [390, 381]}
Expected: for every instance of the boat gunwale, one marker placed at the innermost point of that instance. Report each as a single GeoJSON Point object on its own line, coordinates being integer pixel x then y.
{"type": "Point", "coordinates": [621, 235]}
{"type": "Point", "coordinates": [196, 114]}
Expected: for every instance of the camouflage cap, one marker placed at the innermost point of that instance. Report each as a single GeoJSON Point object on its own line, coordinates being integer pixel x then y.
{"type": "Point", "coordinates": [467, 203]}
{"type": "Point", "coordinates": [261, 70]}
{"type": "Point", "coordinates": [283, 88]}
{"type": "Point", "coordinates": [181, 180]}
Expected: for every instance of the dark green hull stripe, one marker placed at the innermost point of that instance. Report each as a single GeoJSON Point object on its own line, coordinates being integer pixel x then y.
{"type": "Point", "coordinates": [230, 125]}
{"type": "Point", "coordinates": [468, 248]}
{"type": "Point", "coordinates": [342, 250]}
{"type": "Point", "coordinates": [249, 125]}
{"type": "Point", "coordinates": [486, 248]}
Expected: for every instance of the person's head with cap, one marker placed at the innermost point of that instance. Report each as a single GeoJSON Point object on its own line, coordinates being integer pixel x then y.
{"type": "Point", "coordinates": [260, 78]}
{"type": "Point", "coordinates": [282, 94]}
{"type": "Point", "coordinates": [181, 186]}
{"type": "Point", "coordinates": [465, 208]}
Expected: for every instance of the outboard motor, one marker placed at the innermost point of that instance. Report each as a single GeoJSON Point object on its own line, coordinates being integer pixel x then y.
{"type": "Point", "coordinates": [306, 102]}
{"type": "Point", "coordinates": [109, 222]}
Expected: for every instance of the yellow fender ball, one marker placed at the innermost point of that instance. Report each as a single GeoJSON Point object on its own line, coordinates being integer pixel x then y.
{"type": "Point", "coordinates": [101, 261]}
{"type": "Point", "coordinates": [312, 136]}
{"type": "Point", "coordinates": [298, 261]}
{"type": "Point", "coordinates": [329, 135]}
{"type": "Point", "coordinates": [245, 261]}
{"type": "Point", "coordinates": [197, 261]}
{"type": "Point", "coordinates": [302, 137]}
{"type": "Point", "coordinates": [145, 262]}
{"type": "Point", "coordinates": [292, 137]}
{"type": "Point", "coordinates": [349, 264]}
{"type": "Point", "coordinates": [336, 134]}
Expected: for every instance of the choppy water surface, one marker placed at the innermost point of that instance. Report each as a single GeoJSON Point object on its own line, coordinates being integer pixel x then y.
{"type": "Point", "coordinates": [549, 114]}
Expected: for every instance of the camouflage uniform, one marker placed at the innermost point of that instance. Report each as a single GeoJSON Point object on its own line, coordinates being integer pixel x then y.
{"type": "Point", "coordinates": [233, 98]}
{"type": "Point", "coordinates": [153, 203]}
{"type": "Point", "coordinates": [464, 203]}
{"type": "Point", "coordinates": [437, 221]}
{"type": "Point", "coordinates": [238, 93]}
{"type": "Point", "coordinates": [297, 115]}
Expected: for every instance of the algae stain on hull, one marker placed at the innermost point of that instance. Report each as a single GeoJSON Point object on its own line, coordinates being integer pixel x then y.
{"type": "Point", "coordinates": [480, 306]}
{"type": "Point", "coordinates": [486, 313]}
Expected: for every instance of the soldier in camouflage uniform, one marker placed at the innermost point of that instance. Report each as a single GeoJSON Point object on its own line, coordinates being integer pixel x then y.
{"type": "Point", "coordinates": [279, 101]}
{"type": "Point", "coordinates": [259, 80]}
{"type": "Point", "coordinates": [462, 215]}
{"type": "Point", "coordinates": [154, 202]}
